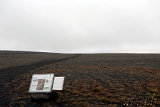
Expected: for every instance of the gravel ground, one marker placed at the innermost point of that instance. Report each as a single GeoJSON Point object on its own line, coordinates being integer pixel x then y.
{"type": "Point", "coordinates": [90, 79]}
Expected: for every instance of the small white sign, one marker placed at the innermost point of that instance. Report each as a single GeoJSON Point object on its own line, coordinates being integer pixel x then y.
{"type": "Point", "coordinates": [58, 83]}
{"type": "Point", "coordinates": [41, 83]}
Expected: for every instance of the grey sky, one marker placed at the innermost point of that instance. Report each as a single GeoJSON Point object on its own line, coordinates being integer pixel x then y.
{"type": "Point", "coordinates": [80, 25]}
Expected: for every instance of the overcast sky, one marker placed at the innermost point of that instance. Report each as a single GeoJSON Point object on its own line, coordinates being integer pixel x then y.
{"type": "Point", "coordinates": [80, 26]}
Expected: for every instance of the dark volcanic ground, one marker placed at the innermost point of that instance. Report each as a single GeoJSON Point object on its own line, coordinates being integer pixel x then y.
{"type": "Point", "coordinates": [90, 79]}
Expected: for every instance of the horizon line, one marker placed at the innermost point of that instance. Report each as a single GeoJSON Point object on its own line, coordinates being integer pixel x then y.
{"type": "Point", "coordinates": [82, 52]}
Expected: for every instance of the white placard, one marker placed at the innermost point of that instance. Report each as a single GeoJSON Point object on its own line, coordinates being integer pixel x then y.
{"type": "Point", "coordinates": [58, 83]}
{"type": "Point", "coordinates": [41, 83]}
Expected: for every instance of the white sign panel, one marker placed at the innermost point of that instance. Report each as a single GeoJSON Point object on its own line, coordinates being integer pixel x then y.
{"type": "Point", "coordinates": [41, 83]}
{"type": "Point", "coordinates": [58, 83]}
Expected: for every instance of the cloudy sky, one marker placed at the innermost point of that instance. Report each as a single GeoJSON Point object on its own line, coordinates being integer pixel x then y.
{"type": "Point", "coordinates": [80, 26]}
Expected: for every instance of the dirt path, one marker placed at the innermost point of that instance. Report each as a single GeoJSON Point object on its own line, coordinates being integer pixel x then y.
{"type": "Point", "coordinates": [9, 73]}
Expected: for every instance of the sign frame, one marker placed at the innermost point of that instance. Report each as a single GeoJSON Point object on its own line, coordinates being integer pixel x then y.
{"type": "Point", "coordinates": [42, 91]}
{"type": "Point", "coordinates": [58, 83]}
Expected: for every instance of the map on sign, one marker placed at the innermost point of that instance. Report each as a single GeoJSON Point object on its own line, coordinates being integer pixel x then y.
{"type": "Point", "coordinates": [41, 83]}
{"type": "Point", "coordinates": [58, 83]}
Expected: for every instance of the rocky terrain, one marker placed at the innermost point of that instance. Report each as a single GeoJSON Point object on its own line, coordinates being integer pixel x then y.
{"type": "Point", "coordinates": [100, 80]}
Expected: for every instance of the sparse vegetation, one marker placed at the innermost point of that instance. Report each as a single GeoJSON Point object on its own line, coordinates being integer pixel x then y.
{"type": "Point", "coordinates": [90, 80]}
{"type": "Point", "coordinates": [96, 90]}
